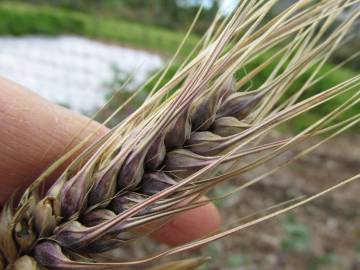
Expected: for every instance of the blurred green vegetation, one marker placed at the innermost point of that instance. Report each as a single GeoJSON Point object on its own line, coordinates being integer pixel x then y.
{"type": "Point", "coordinates": [20, 19]}
{"type": "Point", "coordinates": [75, 17]}
{"type": "Point", "coordinates": [296, 235]}
{"type": "Point", "coordinates": [330, 78]}
{"type": "Point", "coordinates": [173, 14]}
{"type": "Point", "coordinates": [297, 239]}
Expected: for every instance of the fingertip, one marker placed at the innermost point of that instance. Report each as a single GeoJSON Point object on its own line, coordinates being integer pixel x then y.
{"type": "Point", "coordinates": [190, 225]}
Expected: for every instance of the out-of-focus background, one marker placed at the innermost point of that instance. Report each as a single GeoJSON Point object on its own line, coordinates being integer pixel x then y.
{"type": "Point", "coordinates": [79, 53]}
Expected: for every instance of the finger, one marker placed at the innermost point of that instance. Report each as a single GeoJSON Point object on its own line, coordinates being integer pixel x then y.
{"type": "Point", "coordinates": [189, 225]}
{"type": "Point", "coordinates": [35, 132]}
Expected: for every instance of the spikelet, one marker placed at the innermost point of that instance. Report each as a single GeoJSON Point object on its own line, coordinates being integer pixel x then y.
{"type": "Point", "coordinates": [171, 149]}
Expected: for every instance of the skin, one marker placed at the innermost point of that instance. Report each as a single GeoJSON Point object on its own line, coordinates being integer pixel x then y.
{"type": "Point", "coordinates": [35, 132]}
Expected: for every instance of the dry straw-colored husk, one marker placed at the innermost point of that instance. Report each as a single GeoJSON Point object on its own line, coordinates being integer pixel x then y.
{"type": "Point", "coordinates": [180, 144]}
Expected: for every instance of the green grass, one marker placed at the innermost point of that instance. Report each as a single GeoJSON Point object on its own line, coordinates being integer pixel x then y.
{"type": "Point", "coordinates": [20, 19]}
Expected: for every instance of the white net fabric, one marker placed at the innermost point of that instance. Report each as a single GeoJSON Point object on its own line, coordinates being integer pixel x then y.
{"type": "Point", "coordinates": [72, 71]}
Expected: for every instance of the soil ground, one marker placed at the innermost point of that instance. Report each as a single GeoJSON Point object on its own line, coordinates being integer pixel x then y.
{"type": "Point", "coordinates": [324, 234]}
